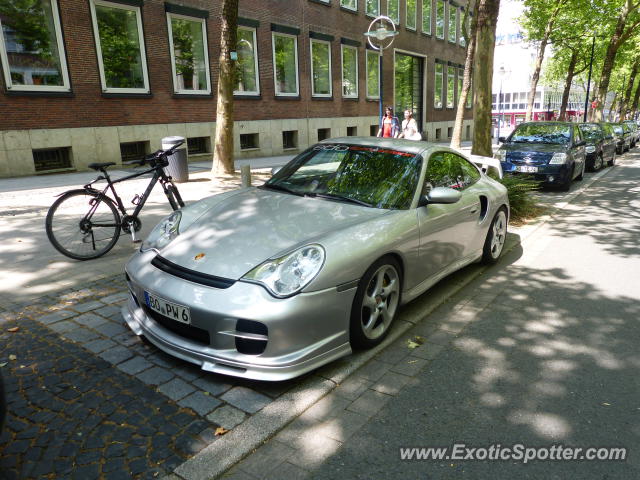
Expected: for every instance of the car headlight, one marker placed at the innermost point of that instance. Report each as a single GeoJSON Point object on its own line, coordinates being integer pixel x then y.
{"type": "Point", "coordinates": [500, 155]}
{"type": "Point", "coordinates": [558, 158]}
{"type": "Point", "coordinates": [287, 275]}
{"type": "Point", "coordinates": [590, 149]}
{"type": "Point", "coordinates": [163, 233]}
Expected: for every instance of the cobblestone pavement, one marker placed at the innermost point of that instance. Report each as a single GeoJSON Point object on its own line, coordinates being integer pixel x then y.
{"type": "Point", "coordinates": [88, 399]}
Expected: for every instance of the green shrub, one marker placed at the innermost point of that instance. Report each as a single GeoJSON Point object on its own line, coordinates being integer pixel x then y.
{"type": "Point", "coordinates": [523, 205]}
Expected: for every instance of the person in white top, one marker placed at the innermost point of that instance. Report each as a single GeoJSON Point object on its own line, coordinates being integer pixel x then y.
{"type": "Point", "coordinates": [409, 127]}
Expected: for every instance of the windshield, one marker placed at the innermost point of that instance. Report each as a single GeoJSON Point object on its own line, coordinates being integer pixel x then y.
{"type": "Point", "coordinates": [591, 131]}
{"type": "Point", "coordinates": [372, 176]}
{"type": "Point", "coordinates": [618, 130]}
{"type": "Point", "coordinates": [556, 134]}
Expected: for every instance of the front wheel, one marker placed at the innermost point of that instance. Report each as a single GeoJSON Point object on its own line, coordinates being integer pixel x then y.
{"type": "Point", "coordinates": [496, 236]}
{"type": "Point", "coordinates": [376, 302]}
{"type": "Point", "coordinates": [580, 177]}
{"type": "Point", "coordinates": [612, 162]}
{"type": "Point", "coordinates": [83, 225]}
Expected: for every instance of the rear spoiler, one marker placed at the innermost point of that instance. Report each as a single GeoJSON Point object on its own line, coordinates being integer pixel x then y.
{"type": "Point", "coordinates": [487, 164]}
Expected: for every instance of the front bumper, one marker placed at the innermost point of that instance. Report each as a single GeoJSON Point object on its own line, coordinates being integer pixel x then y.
{"type": "Point", "coordinates": [296, 334]}
{"type": "Point", "coordinates": [548, 174]}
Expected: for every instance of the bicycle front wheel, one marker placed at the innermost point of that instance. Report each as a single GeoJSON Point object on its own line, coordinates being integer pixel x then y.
{"type": "Point", "coordinates": [83, 225]}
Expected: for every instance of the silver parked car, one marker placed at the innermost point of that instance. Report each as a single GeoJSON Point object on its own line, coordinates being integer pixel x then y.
{"type": "Point", "coordinates": [271, 282]}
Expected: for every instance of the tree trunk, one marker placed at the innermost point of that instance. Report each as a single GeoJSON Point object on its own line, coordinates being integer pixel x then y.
{"type": "Point", "coordinates": [483, 76]}
{"type": "Point", "coordinates": [567, 85]}
{"type": "Point", "coordinates": [456, 137]}
{"type": "Point", "coordinates": [223, 149]}
{"type": "Point", "coordinates": [627, 94]}
{"type": "Point", "coordinates": [538, 67]}
{"type": "Point", "coordinates": [636, 98]}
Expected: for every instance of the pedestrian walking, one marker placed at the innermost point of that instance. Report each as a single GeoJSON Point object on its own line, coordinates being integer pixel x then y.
{"type": "Point", "coordinates": [410, 127]}
{"type": "Point", "coordinates": [389, 124]}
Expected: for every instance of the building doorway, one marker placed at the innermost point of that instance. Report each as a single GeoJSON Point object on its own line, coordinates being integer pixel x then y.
{"type": "Point", "coordinates": [409, 81]}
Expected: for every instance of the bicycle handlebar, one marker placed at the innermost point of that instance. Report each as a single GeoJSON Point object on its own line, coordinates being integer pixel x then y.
{"type": "Point", "coordinates": [157, 158]}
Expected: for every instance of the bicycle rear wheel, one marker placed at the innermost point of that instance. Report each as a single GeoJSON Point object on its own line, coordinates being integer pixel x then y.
{"type": "Point", "coordinates": [83, 225]}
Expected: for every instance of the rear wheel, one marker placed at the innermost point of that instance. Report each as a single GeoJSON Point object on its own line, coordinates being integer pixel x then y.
{"type": "Point", "coordinates": [496, 236]}
{"type": "Point", "coordinates": [83, 225]}
{"type": "Point", "coordinates": [612, 162]}
{"type": "Point", "coordinates": [376, 302]}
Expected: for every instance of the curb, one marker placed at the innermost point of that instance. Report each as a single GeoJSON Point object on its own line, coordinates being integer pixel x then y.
{"type": "Point", "coordinates": [218, 457]}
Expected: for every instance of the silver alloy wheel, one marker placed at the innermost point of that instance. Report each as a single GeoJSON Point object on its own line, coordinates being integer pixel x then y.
{"type": "Point", "coordinates": [600, 162]}
{"type": "Point", "coordinates": [498, 234]}
{"type": "Point", "coordinates": [380, 302]}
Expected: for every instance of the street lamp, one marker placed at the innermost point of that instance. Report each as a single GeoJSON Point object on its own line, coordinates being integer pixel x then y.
{"type": "Point", "coordinates": [502, 73]}
{"type": "Point", "coordinates": [379, 35]}
{"type": "Point", "coordinates": [586, 98]}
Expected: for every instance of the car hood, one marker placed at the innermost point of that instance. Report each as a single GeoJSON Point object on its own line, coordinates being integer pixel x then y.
{"type": "Point", "coordinates": [534, 147]}
{"type": "Point", "coordinates": [233, 235]}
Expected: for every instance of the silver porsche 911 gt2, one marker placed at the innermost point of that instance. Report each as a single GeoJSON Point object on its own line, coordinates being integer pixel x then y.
{"type": "Point", "coordinates": [273, 281]}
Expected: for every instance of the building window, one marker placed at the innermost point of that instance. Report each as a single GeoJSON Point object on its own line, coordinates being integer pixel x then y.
{"type": "Point", "coordinates": [451, 82]}
{"type": "Point", "coordinates": [349, 4]}
{"type": "Point", "coordinates": [373, 74]}
{"type": "Point", "coordinates": [249, 141]}
{"type": "Point", "coordinates": [247, 79]}
{"type": "Point", "coordinates": [411, 14]}
{"type": "Point", "coordinates": [426, 16]}
{"type": "Point", "coordinates": [133, 150]}
{"type": "Point", "coordinates": [449, 132]}
{"type": "Point", "coordinates": [453, 24]}
{"type": "Point", "coordinates": [470, 94]}
{"type": "Point", "coordinates": [438, 133]}
{"type": "Point", "coordinates": [320, 68]}
{"type": "Point", "coordinates": [289, 139]}
{"type": "Point", "coordinates": [31, 46]}
{"type": "Point", "coordinates": [51, 159]}
{"type": "Point", "coordinates": [468, 134]}
{"type": "Point", "coordinates": [198, 145]}
{"type": "Point", "coordinates": [188, 46]}
{"type": "Point", "coordinates": [324, 133]}
{"type": "Point", "coordinates": [440, 19]}
{"type": "Point", "coordinates": [373, 130]}
{"type": "Point", "coordinates": [438, 85]}
{"type": "Point", "coordinates": [393, 10]}
{"type": "Point", "coordinates": [285, 59]}
{"type": "Point", "coordinates": [352, 131]}
{"type": "Point", "coordinates": [349, 72]}
{"type": "Point", "coordinates": [372, 7]}
{"type": "Point", "coordinates": [460, 80]}
{"type": "Point", "coordinates": [461, 40]}
{"type": "Point", "coordinates": [120, 46]}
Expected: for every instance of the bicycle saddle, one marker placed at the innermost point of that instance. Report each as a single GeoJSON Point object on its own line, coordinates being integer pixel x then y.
{"type": "Point", "coordinates": [100, 165]}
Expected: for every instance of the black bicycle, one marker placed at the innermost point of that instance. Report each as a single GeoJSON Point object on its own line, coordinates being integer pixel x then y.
{"type": "Point", "coordinates": [82, 233]}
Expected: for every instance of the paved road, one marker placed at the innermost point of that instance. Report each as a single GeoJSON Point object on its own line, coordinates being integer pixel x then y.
{"type": "Point", "coordinates": [542, 350]}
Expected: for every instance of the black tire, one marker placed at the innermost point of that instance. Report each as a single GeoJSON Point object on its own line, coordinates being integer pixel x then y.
{"type": "Point", "coordinates": [76, 236]}
{"type": "Point", "coordinates": [496, 236]}
{"type": "Point", "coordinates": [376, 303]}
{"type": "Point", "coordinates": [612, 162]}
{"type": "Point", "coordinates": [598, 163]}
{"type": "Point", "coordinates": [566, 186]}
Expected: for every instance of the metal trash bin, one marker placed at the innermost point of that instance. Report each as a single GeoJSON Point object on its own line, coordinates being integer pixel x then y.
{"type": "Point", "coordinates": [178, 167]}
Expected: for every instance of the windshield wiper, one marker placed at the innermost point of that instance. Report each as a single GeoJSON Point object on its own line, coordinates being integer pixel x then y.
{"type": "Point", "coordinates": [331, 196]}
{"type": "Point", "coordinates": [280, 188]}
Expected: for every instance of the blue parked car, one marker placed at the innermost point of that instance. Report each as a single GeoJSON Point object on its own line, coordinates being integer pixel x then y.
{"type": "Point", "coordinates": [551, 152]}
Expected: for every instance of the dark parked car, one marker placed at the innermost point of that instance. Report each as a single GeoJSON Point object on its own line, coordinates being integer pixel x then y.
{"type": "Point", "coordinates": [623, 131]}
{"type": "Point", "coordinates": [600, 146]}
{"type": "Point", "coordinates": [633, 127]}
{"type": "Point", "coordinates": [553, 152]}
{"type": "Point", "coordinates": [3, 404]}
{"type": "Point", "coordinates": [612, 138]}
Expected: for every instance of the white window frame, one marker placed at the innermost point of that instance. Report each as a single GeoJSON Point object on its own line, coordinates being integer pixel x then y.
{"type": "Point", "coordinates": [143, 51]}
{"type": "Point", "coordinates": [343, 47]}
{"type": "Point", "coordinates": [367, 53]}
{"type": "Point", "coordinates": [415, 16]}
{"type": "Point", "coordinates": [451, 75]}
{"type": "Point", "coordinates": [461, 41]}
{"type": "Point", "coordinates": [207, 91]}
{"type": "Point", "coordinates": [6, 67]}
{"type": "Point", "coordinates": [355, 9]}
{"type": "Point", "coordinates": [275, 73]}
{"type": "Point", "coordinates": [451, 10]}
{"type": "Point", "coordinates": [313, 93]}
{"type": "Point", "coordinates": [372, 15]}
{"type": "Point", "coordinates": [444, 19]}
{"type": "Point", "coordinates": [430, 3]}
{"type": "Point", "coordinates": [442, 85]}
{"type": "Point", "coordinates": [255, 61]}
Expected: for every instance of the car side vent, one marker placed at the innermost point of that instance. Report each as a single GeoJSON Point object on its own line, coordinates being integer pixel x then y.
{"type": "Point", "coordinates": [251, 346]}
{"type": "Point", "coordinates": [484, 207]}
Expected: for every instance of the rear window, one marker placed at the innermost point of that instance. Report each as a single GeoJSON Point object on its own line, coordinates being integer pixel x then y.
{"type": "Point", "coordinates": [555, 134]}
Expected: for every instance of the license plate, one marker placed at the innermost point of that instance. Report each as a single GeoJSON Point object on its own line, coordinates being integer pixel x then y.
{"type": "Point", "coordinates": [180, 313]}
{"type": "Point", "coordinates": [526, 169]}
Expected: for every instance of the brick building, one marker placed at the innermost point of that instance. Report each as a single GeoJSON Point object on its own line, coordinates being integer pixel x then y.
{"type": "Point", "coordinates": [99, 80]}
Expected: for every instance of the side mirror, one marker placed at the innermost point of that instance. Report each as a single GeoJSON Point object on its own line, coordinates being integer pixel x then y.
{"type": "Point", "coordinates": [502, 139]}
{"type": "Point", "coordinates": [275, 170]}
{"type": "Point", "coordinates": [442, 195]}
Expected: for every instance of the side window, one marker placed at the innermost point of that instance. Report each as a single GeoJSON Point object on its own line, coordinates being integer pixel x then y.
{"type": "Point", "coordinates": [447, 169]}
{"type": "Point", "coordinates": [470, 173]}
